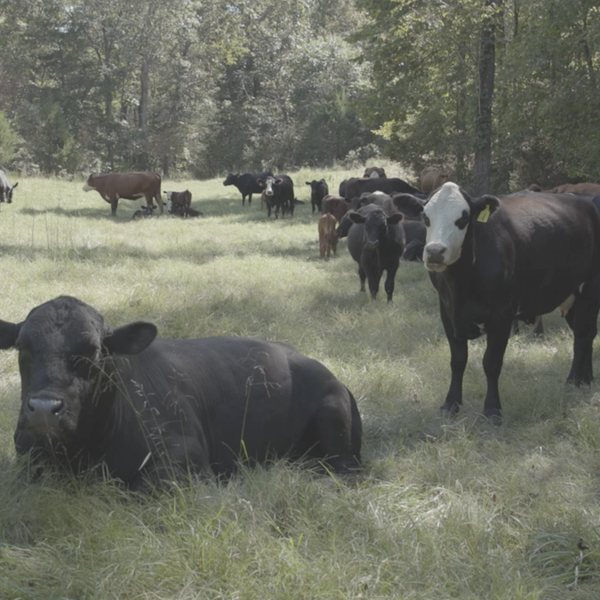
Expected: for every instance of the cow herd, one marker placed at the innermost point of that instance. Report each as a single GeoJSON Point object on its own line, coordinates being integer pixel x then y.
{"type": "Point", "coordinates": [145, 410]}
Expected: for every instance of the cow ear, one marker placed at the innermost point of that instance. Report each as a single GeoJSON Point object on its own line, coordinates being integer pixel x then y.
{"type": "Point", "coordinates": [408, 204]}
{"type": "Point", "coordinates": [307, 182]}
{"type": "Point", "coordinates": [14, 186]}
{"type": "Point", "coordinates": [491, 203]}
{"type": "Point", "coordinates": [356, 217]}
{"type": "Point", "coordinates": [130, 339]}
{"type": "Point", "coordinates": [260, 182]}
{"type": "Point", "coordinates": [394, 219]}
{"type": "Point", "coordinates": [9, 332]}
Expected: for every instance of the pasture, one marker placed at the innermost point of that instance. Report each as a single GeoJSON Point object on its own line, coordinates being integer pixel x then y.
{"type": "Point", "coordinates": [443, 508]}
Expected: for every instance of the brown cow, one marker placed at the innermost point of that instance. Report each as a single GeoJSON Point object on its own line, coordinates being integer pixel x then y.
{"type": "Point", "coordinates": [336, 205]}
{"type": "Point", "coordinates": [131, 186]}
{"type": "Point", "coordinates": [327, 237]}
{"type": "Point", "coordinates": [432, 178]}
{"type": "Point", "coordinates": [593, 189]}
{"type": "Point", "coordinates": [374, 172]}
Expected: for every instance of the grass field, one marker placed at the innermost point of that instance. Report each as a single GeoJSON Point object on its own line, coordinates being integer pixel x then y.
{"type": "Point", "coordinates": [444, 508]}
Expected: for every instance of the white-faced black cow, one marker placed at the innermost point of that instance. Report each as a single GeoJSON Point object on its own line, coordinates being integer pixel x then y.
{"type": "Point", "coordinates": [178, 202]}
{"type": "Point", "coordinates": [246, 183]}
{"type": "Point", "coordinates": [318, 191]}
{"type": "Point", "coordinates": [493, 260]}
{"type": "Point", "coordinates": [279, 192]}
{"type": "Point", "coordinates": [150, 409]}
{"type": "Point", "coordinates": [6, 190]}
{"type": "Point", "coordinates": [131, 186]}
{"type": "Point", "coordinates": [376, 243]}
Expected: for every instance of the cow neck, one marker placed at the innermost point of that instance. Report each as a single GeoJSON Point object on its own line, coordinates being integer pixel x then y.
{"type": "Point", "coordinates": [456, 285]}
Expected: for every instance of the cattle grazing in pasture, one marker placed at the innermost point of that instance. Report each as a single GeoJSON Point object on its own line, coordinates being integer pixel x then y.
{"type": "Point", "coordinates": [318, 191]}
{"type": "Point", "coordinates": [336, 205]}
{"type": "Point", "coordinates": [376, 243]}
{"type": "Point", "coordinates": [131, 186]}
{"type": "Point", "coordinates": [247, 184]}
{"type": "Point", "coordinates": [493, 260]}
{"type": "Point", "coordinates": [6, 190]}
{"type": "Point", "coordinates": [177, 202]}
{"type": "Point", "coordinates": [279, 192]}
{"type": "Point", "coordinates": [374, 172]}
{"type": "Point", "coordinates": [150, 409]}
{"type": "Point", "coordinates": [357, 186]}
{"type": "Point", "coordinates": [432, 178]}
{"type": "Point", "coordinates": [144, 212]}
{"type": "Point", "coordinates": [327, 238]}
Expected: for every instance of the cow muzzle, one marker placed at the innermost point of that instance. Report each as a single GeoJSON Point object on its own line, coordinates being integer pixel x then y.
{"type": "Point", "coordinates": [434, 257]}
{"type": "Point", "coordinates": [371, 245]}
{"type": "Point", "coordinates": [44, 414]}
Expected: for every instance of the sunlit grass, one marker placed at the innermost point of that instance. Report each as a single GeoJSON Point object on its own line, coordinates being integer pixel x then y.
{"type": "Point", "coordinates": [444, 508]}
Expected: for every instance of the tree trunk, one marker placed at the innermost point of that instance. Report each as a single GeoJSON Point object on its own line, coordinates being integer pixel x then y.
{"type": "Point", "coordinates": [483, 121]}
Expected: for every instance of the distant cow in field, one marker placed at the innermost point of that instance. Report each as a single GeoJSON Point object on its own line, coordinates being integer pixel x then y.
{"type": "Point", "coordinates": [279, 192]}
{"type": "Point", "coordinates": [318, 191]}
{"type": "Point", "coordinates": [374, 172]}
{"type": "Point", "coordinates": [432, 178]}
{"type": "Point", "coordinates": [177, 202]}
{"type": "Point", "coordinates": [591, 189]}
{"type": "Point", "coordinates": [376, 242]}
{"type": "Point", "coordinates": [247, 184]}
{"type": "Point", "coordinates": [131, 186]}
{"type": "Point", "coordinates": [327, 237]}
{"type": "Point", "coordinates": [6, 190]}
{"type": "Point", "coordinates": [336, 205]}
{"type": "Point", "coordinates": [493, 260]}
{"type": "Point", "coordinates": [357, 186]}
{"type": "Point", "coordinates": [146, 410]}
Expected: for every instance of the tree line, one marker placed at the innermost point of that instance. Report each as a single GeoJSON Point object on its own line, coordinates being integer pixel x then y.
{"type": "Point", "coordinates": [502, 92]}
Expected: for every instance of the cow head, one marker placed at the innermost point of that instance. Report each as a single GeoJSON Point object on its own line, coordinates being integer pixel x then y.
{"type": "Point", "coordinates": [269, 184]}
{"type": "Point", "coordinates": [447, 216]}
{"type": "Point", "coordinates": [376, 224]}
{"type": "Point", "coordinates": [88, 185]}
{"type": "Point", "coordinates": [64, 349]}
{"type": "Point", "coordinates": [231, 179]}
{"type": "Point", "coordinates": [6, 194]}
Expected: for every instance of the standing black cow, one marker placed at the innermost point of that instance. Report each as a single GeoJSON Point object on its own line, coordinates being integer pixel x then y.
{"type": "Point", "coordinates": [376, 243]}
{"type": "Point", "coordinates": [246, 183]}
{"type": "Point", "coordinates": [279, 192]}
{"type": "Point", "coordinates": [318, 191]}
{"type": "Point", "coordinates": [152, 408]}
{"type": "Point", "coordinates": [493, 260]}
{"type": "Point", "coordinates": [6, 190]}
{"type": "Point", "coordinates": [356, 186]}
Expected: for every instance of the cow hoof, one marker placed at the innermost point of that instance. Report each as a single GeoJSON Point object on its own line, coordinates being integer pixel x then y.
{"type": "Point", "coordinates": [493, 418]}
{"type": "Point", "coordinates": [449, 409]}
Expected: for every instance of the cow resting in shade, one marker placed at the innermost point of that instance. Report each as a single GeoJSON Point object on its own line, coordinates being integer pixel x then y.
{"type": "Point", "coordinates": [493, 260]}
{"type": "Point", "coordinates": [131, 186]}
{"type": "Point", "coordinates": [151, 409]}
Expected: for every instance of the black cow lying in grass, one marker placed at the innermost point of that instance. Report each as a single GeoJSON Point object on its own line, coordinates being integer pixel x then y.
{"type": "Point", "coordinates": [151, 409]}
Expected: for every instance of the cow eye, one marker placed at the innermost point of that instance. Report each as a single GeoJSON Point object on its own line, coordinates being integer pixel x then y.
{"type": "Point", "coordinates": [463, 221]}
{"type": "Point", "coordinates": [426, 220]}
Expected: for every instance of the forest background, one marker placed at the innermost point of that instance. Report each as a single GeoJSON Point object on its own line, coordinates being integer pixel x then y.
{"type": "Point", "coordinates": [503, 93]}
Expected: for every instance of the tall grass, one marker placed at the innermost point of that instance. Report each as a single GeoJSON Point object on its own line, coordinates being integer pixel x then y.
{"type": "Point", "coordinates": [444, 508]}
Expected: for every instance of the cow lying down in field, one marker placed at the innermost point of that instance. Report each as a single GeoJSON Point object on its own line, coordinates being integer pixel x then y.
{"type": "Point", "coordinates": [149, 409]}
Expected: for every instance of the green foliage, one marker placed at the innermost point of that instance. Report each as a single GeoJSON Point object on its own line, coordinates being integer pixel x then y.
{"type": "Point", "coordinates": [8, 140]}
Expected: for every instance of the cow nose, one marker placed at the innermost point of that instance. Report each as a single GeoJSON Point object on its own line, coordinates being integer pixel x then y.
{"type": "Point", "coordinates": [371, 245]}
{"type": "Point", "coordinates": [44, 413]}
{"type": "Point", "coordinates": [435, 253]}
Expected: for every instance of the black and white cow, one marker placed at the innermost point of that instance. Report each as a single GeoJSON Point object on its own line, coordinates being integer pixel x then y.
{"type": "Point", "coordinates": [376, 243]}
{"type": "Point", "coordinates": [279, 192]}
{"type": "Point", "coordinates": [318, 191]}
{"type": "Point", "coordinates": [6, 190]}
{"type": "Point", "coordinates": [493, 260]}
{"type": "Point", "coordinates": [247, 184]}
{"type": "Point", "coordinates": [152, 409]}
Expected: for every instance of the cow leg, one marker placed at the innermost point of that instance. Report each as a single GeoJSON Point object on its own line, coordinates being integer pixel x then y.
{"type": "Point", "coordinates": [249, 198]}
{"type": "Point", "coordinates": [158, 201]}
{"type": "Point", "coordinates": [114, 200]}
{"type": "Point", "coordinates": [459, 354]}
{"type": "Point", "coordinates": [243, 199]}
{"type": "Point", "coordinates": [390, 281]}
{"type": "Point", "coordinates": [363, 277]}
{"type": "Point", "coordinates": [498, 332]}
{"type": "Point", "coordinates": [582, 318]}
